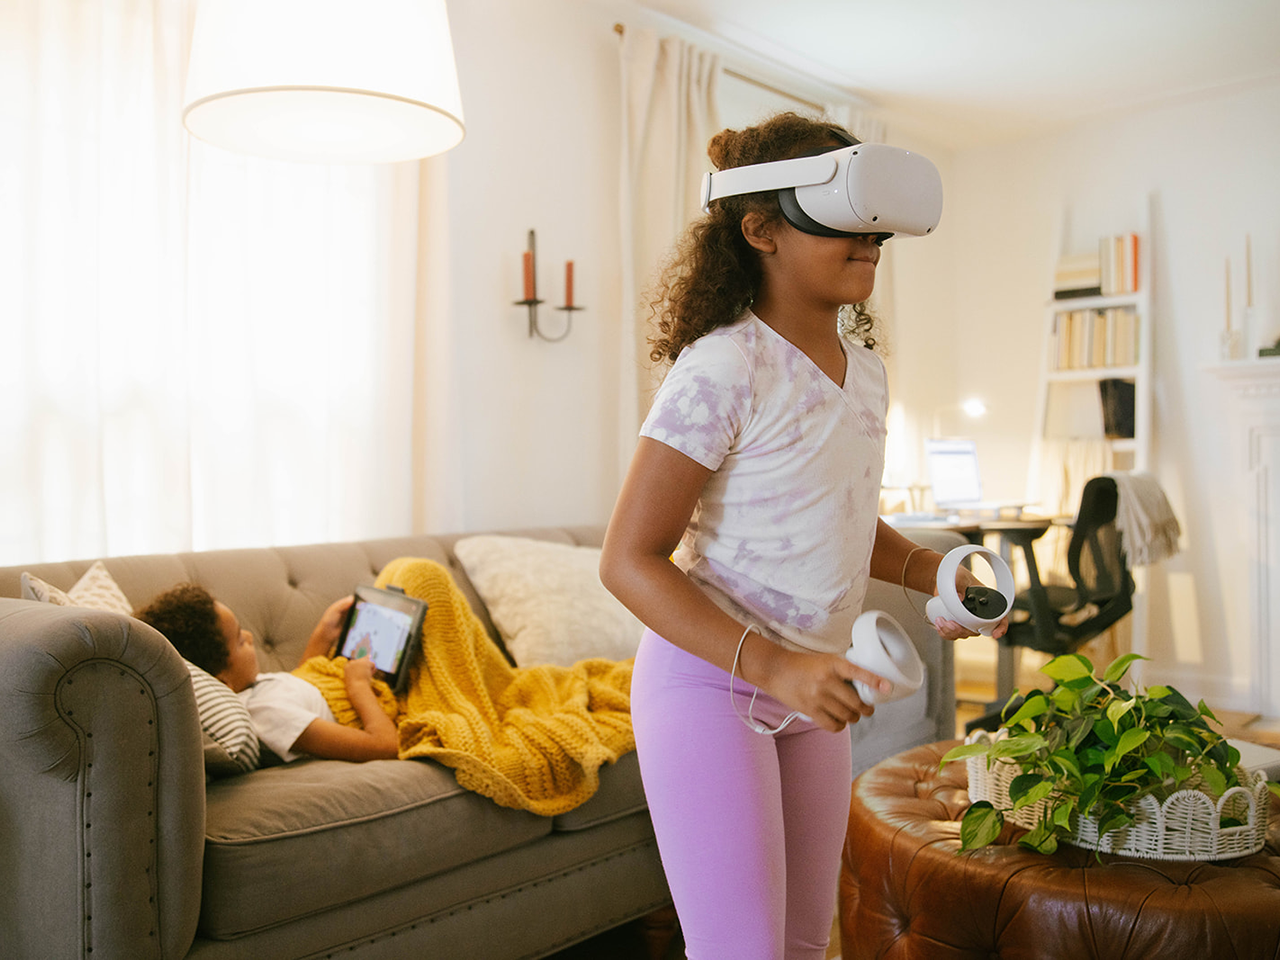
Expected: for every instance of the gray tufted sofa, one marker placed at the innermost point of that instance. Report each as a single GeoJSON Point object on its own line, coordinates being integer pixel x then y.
{"type": "Point", "coordinates": [114, 847]}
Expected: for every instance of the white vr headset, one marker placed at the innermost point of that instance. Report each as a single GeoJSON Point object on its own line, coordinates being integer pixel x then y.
{"type": "Point", "coordinates": [859, 189]}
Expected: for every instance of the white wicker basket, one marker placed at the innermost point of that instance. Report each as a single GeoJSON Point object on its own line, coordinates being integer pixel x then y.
{"type": "Point", "coordinates": [1184, 827]}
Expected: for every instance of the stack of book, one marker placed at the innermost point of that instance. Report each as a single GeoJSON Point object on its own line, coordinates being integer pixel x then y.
{"type": "Point", "coordinates": [1095, 338]}
{"type": "Point", "coordinates": [1118, 259]}
{"type": "Point", "coordinates": [1112, 270]}
{"type": "Point", "coordinates": [1078, 276]}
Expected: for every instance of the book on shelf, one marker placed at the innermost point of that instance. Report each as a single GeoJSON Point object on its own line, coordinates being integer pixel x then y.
{"type": "Point", "coordinates": [1077, 276]}
{"type": "Point", "coordinates": [1118, 264]}
{"type": "Point", "coordinates": [1097, 338]}
{"type": "Point", "coordinates": [1117, 397]}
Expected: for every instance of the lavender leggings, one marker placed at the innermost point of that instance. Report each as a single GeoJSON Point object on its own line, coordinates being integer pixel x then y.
{"type": "Point", "coordinates": [749, 826]}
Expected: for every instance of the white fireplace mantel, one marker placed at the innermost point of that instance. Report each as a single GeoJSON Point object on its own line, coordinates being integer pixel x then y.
{"type": "Point", "coordinates": [1254, 386]}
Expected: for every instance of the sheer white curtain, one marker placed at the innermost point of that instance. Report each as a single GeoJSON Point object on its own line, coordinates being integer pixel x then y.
{"type": "Point", "coordinates": [199, 350]}
{"type": "Point", "coordinates": [668, 114]}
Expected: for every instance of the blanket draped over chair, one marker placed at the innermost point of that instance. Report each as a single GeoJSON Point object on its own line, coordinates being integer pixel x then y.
{"type": "Point", "coordinates": [532, 738]}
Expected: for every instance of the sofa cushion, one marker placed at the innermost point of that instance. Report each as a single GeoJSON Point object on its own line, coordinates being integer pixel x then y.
{"type": "Point", "coordinates": [360, 829]}
{"type": "Point", "coordinates": [547, 601]}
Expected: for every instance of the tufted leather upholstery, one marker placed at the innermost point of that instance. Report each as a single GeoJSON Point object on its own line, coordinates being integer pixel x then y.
{"type": "Point", "coordinates": [905, 893]}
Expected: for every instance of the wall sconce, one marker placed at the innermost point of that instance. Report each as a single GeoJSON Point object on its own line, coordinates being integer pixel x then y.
{"type": "Point", "coordinates": [338, 81]}
{"type": "Point", "coordinates": [531, 301]}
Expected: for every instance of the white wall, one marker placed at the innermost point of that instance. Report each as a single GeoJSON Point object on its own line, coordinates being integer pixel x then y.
{"type": "Point", "coordinates": [1210, 166]}
{"type": "Point", "coordinates": [533, 422]}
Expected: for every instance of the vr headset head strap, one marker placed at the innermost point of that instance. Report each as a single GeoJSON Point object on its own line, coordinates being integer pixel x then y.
{"type": "Point", "coordinates": [760, 177]}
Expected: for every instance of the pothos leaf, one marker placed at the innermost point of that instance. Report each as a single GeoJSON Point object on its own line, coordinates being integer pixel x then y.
{"type": "Point", "coordinates": [1071, 666]}
{"type": "Point", "coordinates": [1042, 838]}
{"type": "Point", "coordinates": [980, 825]}
{"type": "Point", "coordinates": [1033, 707]}
{"type": "Point", "coordinates": [1214, 780]}
{"type": "Point", "coordinates": [1037, 792]}
{"type": "Point", "coordinates": [962, 752]}
{"type": "Point", "coordinates": [1118, 667]}
{"type": "Point", "coordinates": [1116, 710]}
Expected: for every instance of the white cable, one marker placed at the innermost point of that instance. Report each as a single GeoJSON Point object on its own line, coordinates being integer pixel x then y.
{"type": "Point", "coordinates": [749, 721]}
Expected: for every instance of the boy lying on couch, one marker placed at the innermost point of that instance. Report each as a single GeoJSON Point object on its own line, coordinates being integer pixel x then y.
{"type": "Point", "coordinates": [532, 738]}
{"type": "Point", "coordinates": [290, 715]}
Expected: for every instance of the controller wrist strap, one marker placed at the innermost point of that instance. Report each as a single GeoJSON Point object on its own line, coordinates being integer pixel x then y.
{"type": "Point", "coordinates": [905, 563]}
{"type": "Point", "coordinates": [749, 720]}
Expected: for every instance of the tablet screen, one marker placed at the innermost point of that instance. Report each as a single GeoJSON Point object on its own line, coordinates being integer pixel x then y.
{"type": "Point", "coordinates": [383, 626]}
{"type": "Point", "coordinates": [378, 633]}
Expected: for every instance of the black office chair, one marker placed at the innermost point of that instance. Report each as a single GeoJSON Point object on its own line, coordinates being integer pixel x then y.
{"type": "Point", "coordinates": [1060, 619]}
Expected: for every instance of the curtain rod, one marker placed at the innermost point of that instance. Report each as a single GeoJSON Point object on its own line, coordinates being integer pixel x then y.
{"type": "Point", "coordinates": [620, 30]}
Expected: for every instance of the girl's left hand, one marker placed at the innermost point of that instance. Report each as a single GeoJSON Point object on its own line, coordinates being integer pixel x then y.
{"type": "Point", "coordinates": [949, 629]}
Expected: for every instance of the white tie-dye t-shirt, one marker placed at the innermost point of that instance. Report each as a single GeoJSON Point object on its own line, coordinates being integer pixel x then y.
{"type": "Point", "coordinates": [783, 531]}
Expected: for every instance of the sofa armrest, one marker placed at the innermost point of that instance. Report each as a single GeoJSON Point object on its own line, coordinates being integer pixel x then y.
{"type": "Point", "coordinates": [102, 791]}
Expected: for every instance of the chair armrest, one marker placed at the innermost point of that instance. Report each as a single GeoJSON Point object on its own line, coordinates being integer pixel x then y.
{"type": "Point", "coordinates": [102, 792]}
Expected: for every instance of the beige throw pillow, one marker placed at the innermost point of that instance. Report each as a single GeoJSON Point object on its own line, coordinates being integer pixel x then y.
{"type": "Point", "coordinates": [547, 601]}
{"type": "Point", "coordinates": [97, 589]}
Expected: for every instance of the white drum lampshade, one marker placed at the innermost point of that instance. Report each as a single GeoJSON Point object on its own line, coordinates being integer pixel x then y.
{"type": "Point", "coordinates": [335, 81]}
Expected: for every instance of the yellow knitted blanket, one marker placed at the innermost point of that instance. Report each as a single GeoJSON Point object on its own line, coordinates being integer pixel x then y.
{"type": "Point", "coordinates": [532, 738]}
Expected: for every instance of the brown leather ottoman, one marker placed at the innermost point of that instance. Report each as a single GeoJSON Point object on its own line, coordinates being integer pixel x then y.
{"type": "Point", "coordinates": [905, 893]}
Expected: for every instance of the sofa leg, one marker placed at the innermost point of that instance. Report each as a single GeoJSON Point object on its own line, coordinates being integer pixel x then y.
{"type": "Point", "coordinates": [659, 929]}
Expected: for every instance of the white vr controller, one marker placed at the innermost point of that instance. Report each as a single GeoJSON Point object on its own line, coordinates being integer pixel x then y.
{"type": "Point", "coordinates": [883, 647]}
{"type": "Point", "coordinates": [981, 609]}
{"type": "Point", "coordinates": [880, 645]}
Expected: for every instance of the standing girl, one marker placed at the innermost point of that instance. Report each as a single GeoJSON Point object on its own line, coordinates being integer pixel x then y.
{"type": "Point", "coordinates": [759, 467]}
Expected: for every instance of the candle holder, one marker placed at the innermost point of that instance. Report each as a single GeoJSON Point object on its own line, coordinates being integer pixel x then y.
{"type": "Point", "coordinates": [531, 301]}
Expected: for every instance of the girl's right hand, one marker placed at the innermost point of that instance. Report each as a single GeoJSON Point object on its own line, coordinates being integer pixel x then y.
{"type": "Point", "coordinates": [820, 685]}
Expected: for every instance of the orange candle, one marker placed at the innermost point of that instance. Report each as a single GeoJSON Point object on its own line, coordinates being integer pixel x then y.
{"type": "Point", "coordinates": [528, 275]}
{"type": "Point", "coordinates": [568, 283]}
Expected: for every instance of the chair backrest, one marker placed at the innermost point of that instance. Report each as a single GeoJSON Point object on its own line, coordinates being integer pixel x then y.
{"type": "Point", "coordinates": [1095, 556]}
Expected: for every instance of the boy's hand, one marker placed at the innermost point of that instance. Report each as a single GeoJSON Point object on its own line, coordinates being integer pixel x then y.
{"type": "Point", "coordinates": [328, 629]}
{"type": "Point", "coordinates": [333, 618]}
{"type": "Point", "coordinates": [358, 672]}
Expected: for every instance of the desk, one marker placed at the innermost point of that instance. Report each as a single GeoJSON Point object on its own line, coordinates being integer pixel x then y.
{"type": "Point", "coordinates": [1020, 532]}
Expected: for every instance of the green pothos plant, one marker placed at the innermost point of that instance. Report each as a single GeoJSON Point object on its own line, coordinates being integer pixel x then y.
{"type": "Point", "coordinates": [1090, 747]}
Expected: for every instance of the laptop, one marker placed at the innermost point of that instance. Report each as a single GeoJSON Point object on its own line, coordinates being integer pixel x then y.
{"type": "Point", "coordinates": [955, 478]}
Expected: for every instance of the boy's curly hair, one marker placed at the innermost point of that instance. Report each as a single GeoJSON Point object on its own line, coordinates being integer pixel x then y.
{"type": "Point", "coordinates": [188, 619]}
{"type": "Point", "coordinates": [714, 274]}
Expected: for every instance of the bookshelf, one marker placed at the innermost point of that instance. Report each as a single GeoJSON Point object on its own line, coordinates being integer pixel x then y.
{"type": "Point", "coordinates": [1091, 338]}
{"type": "Point", "coordinates": [1088, 341]}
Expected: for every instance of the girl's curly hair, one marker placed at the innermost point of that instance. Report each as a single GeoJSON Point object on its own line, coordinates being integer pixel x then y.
{"type": "Point", "coordinates": [714, 274]}
{"type": "Point", "coordinates": [187, 617]}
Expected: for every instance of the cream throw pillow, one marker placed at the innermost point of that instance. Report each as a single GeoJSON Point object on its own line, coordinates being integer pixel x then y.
{"type": "Point", "coordinates": [547, 601]}
{"type": "Point", "coordinates": [97, 589]}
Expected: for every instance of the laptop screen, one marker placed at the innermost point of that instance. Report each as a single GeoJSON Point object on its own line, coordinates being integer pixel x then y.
{"type": "Point", "coordinates": [953, 472]}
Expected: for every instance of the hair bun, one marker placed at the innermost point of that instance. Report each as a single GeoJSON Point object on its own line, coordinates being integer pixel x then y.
{"type": "Point", "coordinates": [780, 137]}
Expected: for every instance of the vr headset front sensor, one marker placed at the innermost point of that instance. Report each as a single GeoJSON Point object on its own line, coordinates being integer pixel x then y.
{"type": "Point", "coordinates": [859, 189]}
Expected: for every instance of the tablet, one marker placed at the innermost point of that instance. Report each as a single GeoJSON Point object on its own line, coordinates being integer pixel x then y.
{"type": "Point", "coordinates": [385, 626]}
